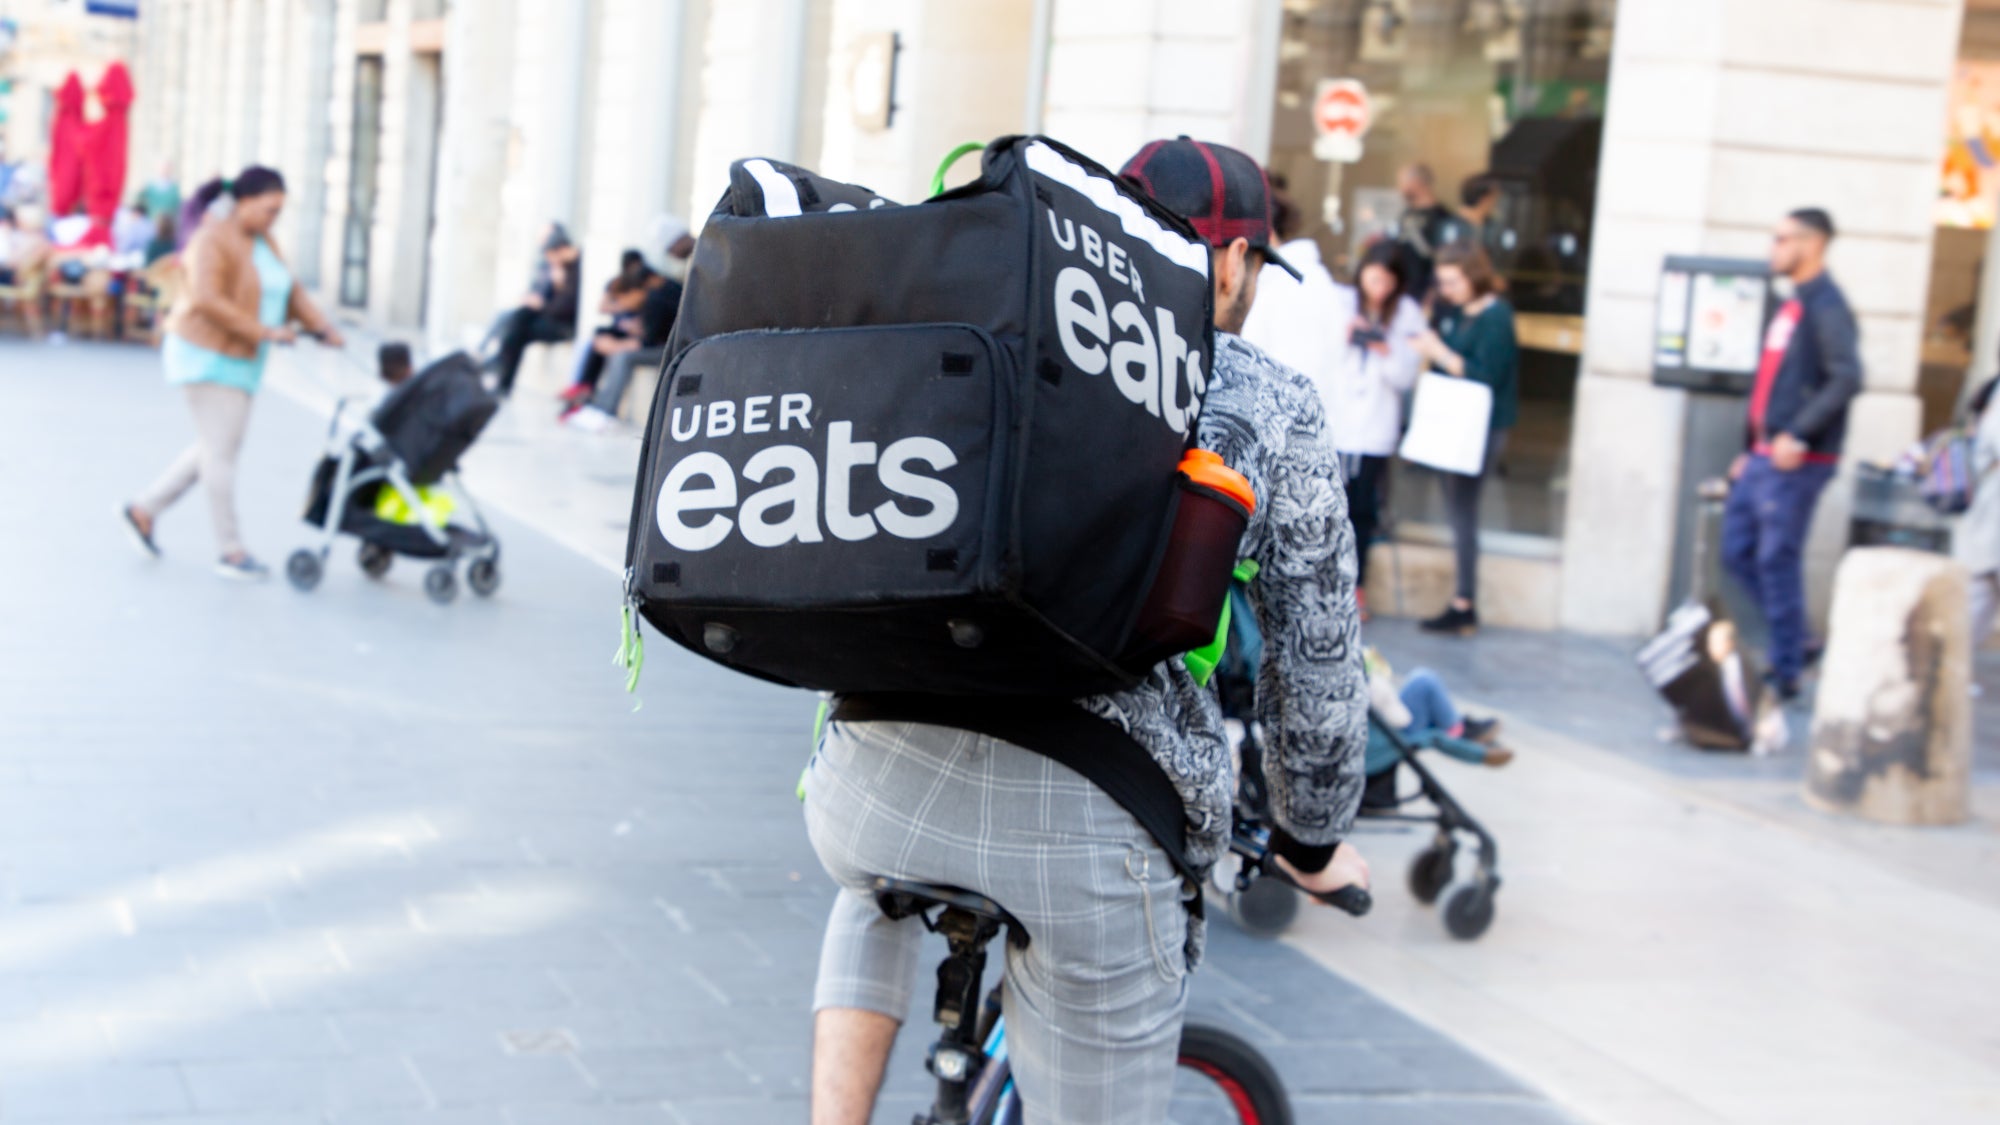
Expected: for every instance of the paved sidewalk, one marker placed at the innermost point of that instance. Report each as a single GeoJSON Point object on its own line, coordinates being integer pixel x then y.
{"type": "Point", "coordinates": [350, 857]}
{"type": "Point", "coordinates": [1679, 938]}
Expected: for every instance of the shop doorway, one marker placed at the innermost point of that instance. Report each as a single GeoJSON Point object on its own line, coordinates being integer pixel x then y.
{"type": "Point", "coordinates": [1511, 89]}
{"type": "Point", "coordinates": [1961, 343]}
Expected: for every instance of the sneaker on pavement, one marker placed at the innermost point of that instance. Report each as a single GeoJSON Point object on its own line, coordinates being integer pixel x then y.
{"type": "Point", "coordinates": [590, 420]}
{"type": "Point", "coordinates": [1482, 731]}
{"type": "Point", "coordinates": [140, 537]}
{"type": "Point", "coordinates": [244, 569]}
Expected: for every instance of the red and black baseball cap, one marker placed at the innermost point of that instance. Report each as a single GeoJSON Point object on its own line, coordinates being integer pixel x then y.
{"type": "Point", "coordinates": [1219, 190]}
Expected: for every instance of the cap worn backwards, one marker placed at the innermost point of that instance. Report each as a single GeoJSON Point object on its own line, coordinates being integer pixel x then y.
{"type": "Point", "coordinates": [1220, 191]}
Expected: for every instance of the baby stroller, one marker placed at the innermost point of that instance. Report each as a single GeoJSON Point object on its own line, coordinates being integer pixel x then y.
{"type": "Point", "coordinates": [1265, 907]}
{"type": "Point", "coordinates": [393, 484]}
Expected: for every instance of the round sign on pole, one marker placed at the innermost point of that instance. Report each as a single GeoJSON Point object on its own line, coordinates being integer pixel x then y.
{"type": "Point", "coordinates": [1341, 114]}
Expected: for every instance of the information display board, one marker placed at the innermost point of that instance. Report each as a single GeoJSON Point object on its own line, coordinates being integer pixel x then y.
{"type": "Point", "coordinates": [1709, 323]}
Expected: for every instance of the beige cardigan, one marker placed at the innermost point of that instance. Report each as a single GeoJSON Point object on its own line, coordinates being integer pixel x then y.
{"type": "Point", "coordinates": [217, 309]}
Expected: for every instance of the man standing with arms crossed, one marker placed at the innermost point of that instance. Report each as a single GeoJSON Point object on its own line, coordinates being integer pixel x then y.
{"type": "Point", "coordinates": [1809, 374]}
{"type": "Point", "coordinates": [1094, 1002]}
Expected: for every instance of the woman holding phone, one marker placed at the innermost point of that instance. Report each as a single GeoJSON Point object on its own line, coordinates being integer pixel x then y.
{"type": "Point", "coordinates": [238, 301]}
{"type": "Point", "coordinates": [1378, 364]}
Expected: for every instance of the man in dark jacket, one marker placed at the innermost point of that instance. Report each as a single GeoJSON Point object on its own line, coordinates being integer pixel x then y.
{"type": "Point", "coordinates": [1426, 227]}
{"type": "Point", "coordinates": [1810, 372]}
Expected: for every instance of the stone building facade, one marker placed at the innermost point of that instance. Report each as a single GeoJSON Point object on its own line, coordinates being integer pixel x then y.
{"type": "Point", "coordinates": [429, 141]}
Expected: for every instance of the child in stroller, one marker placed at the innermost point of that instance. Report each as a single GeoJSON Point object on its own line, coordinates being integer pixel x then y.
{"type": "Point", "coordinates": [1421, 718]}
{"type": "Point", "coordinates": [393, 482]}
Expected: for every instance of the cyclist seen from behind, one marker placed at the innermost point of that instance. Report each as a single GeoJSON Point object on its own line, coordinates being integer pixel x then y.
{"type": "Point", "coordinates": [908, 787]}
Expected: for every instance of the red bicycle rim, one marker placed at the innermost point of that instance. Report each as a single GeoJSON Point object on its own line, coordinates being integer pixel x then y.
{"type": "Point", "coordinates": [1238, 1096]}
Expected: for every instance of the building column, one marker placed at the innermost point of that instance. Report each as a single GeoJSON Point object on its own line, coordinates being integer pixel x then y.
{"type": "Point", "coordinates": [1124, 72]}
{"type": "Point", "coordinates": [242, 83]}
{"type": "Point", "coordinates": [340, 147]}
{"type": "Point", "coordinates": [472, 162]}
{"type": "Point", "coordinates": [1722, 118]}
{"type": "Point", "coordinates": [546, 134]}
{"type": "Point", "coordinates": [301, 143]}
{"type": "Point", "coordinates": [754, 61]}
{"type": "Point", "coordinates": [641, 51]}
{"type": "Point", "coordinates": [201, 154]}
{"type": "Point", "coordinates": [943, 47]}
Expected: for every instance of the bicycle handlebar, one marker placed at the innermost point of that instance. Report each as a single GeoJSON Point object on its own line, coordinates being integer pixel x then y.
{"type": "Point", "coordinates": [1254, 847]}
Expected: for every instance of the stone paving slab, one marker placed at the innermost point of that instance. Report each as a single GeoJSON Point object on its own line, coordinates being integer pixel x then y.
{"type": "Point", "coordinates": [349, 857]}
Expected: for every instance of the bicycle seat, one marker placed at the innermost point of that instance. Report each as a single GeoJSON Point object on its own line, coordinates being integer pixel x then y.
{"type": "Point", "coordinates": [901, 898]}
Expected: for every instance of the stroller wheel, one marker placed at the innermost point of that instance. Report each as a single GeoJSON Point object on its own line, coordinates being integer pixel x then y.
{"type": "Point", "coordinates": [440, 584]}
{"type": "Point", "coordinates": [1430, 873]}
{"type": "Point", "coordinates": [1469, 911]}
{"type": "Point", "coordinates": [303, 570]}
{"type": "Point", "coordinates": [483, 576]}
{"type": "Point", "coordinates": [1266, 909]}
{"type": "Point", "coordinates": [374, 559]}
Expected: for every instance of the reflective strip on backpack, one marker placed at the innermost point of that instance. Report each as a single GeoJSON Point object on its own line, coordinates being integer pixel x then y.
{"type": "Point", "coordinates": [781, 197]}
{"type": "Point", "coordinates": [1171, 244]}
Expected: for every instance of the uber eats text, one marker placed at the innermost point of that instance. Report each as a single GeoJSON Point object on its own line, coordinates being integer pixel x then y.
{"type": "Point", "coordinates": [1148, 360]}
{"type": "Point", "coordinates": [703, 487]}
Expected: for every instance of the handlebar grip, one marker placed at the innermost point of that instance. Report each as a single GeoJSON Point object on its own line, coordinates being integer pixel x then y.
{"type": "Point", "coordinates": [1354, 900]}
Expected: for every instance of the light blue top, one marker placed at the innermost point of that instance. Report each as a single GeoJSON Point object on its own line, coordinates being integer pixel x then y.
{"type": "Point", "coordinates": [191, 363]}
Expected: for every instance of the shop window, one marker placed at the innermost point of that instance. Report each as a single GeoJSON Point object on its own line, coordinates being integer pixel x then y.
{"type": "Point", "coordinates": [1512, 89]}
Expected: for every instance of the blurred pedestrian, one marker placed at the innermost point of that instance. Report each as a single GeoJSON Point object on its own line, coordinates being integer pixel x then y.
{"type": "Point", "coordinates": [1809, 374]}
{"type": "Point", "coordinates": [547, 314]}
{"type": "Point", "coordinates": [238, 301]}
{"type": "Point", "coordinates": [667, 245]}
{"type": "Point", "coordinates": [1478, 214]}
{"type": "Point", "coordinates": [1356, 344]}
{"type": "Point", "coordinates": [1474, 339]}
{"type": "Point", "coordinates": [1293, 319]}
{"type": "Point", "coordinates": [161, 197]}
{"type": "Point", "coordinates": [1976, 541]}
{"type": "Point", "coordinates": [1426, 227]}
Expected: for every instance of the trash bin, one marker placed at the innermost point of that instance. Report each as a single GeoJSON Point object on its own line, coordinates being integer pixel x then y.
{"type": "Point", "coordinates": [1889, 511]}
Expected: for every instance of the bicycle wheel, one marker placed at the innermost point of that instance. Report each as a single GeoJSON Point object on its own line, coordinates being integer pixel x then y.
{"type": "Point", "coordinates": [1222, 1079]}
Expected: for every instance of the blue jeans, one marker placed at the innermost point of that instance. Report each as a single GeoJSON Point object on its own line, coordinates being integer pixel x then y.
{"type": "Point", "coordinates": [1763, 545]}
{"type": "Point", "coordinates": [1430, 705]}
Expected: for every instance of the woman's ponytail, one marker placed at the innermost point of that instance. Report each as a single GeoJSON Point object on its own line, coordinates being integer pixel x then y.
{"type": "Point", "coordinates": [196, 209]}
{"type": "Point", "coordinates": [248, 184]}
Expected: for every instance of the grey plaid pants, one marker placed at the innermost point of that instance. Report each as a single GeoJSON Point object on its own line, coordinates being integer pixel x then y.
{"type": "Point", "coordinates": [1094, 1003]}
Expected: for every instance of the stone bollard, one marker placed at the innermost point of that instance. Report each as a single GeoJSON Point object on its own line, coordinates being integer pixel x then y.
{"type": "Point", "coordinates": [1892, 730]}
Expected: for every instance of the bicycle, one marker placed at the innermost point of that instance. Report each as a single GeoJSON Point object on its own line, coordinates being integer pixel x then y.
{"type": "Point", "coordinates": [1226, 1078]}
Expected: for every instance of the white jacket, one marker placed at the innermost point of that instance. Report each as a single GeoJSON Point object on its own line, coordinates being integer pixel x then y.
{"type": "Point", "coordinates": [1364, 396]}
{"type": "Point", "coordinates": [1976, 542]}
{"type": "Point", "coordinates": [1305, 325]}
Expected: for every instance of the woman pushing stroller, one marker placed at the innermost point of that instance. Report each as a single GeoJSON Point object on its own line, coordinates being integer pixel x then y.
{"type": "Point", "coordinates": [239, 300]}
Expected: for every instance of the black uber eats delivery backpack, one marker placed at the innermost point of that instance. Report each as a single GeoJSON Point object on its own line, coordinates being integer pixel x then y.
{"type": "Point", "coordinates": [933, 448]}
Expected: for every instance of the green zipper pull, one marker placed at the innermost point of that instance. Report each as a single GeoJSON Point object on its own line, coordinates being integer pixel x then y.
{"type": "Point", "coordinates": [631, 654]}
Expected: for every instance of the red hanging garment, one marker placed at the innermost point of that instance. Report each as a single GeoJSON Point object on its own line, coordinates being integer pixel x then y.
{"type": "Point", "coordinates": [105, 151]}
{"type": "Point", "coordinates": [67, 141]}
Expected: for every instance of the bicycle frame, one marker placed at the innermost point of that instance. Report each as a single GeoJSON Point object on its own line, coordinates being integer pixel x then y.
{"type": "Point", "coordinates": [969, 1059]}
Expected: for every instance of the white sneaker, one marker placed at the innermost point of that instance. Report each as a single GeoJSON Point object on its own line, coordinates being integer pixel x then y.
{"type": "Point", "coordinates": [245, 569]}
{"type": "Point", "coordinates": [591, 420]}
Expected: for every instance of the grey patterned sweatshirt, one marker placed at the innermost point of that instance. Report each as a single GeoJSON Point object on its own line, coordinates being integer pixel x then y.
{"type": "Point", "coordinates": [1312, 694]}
